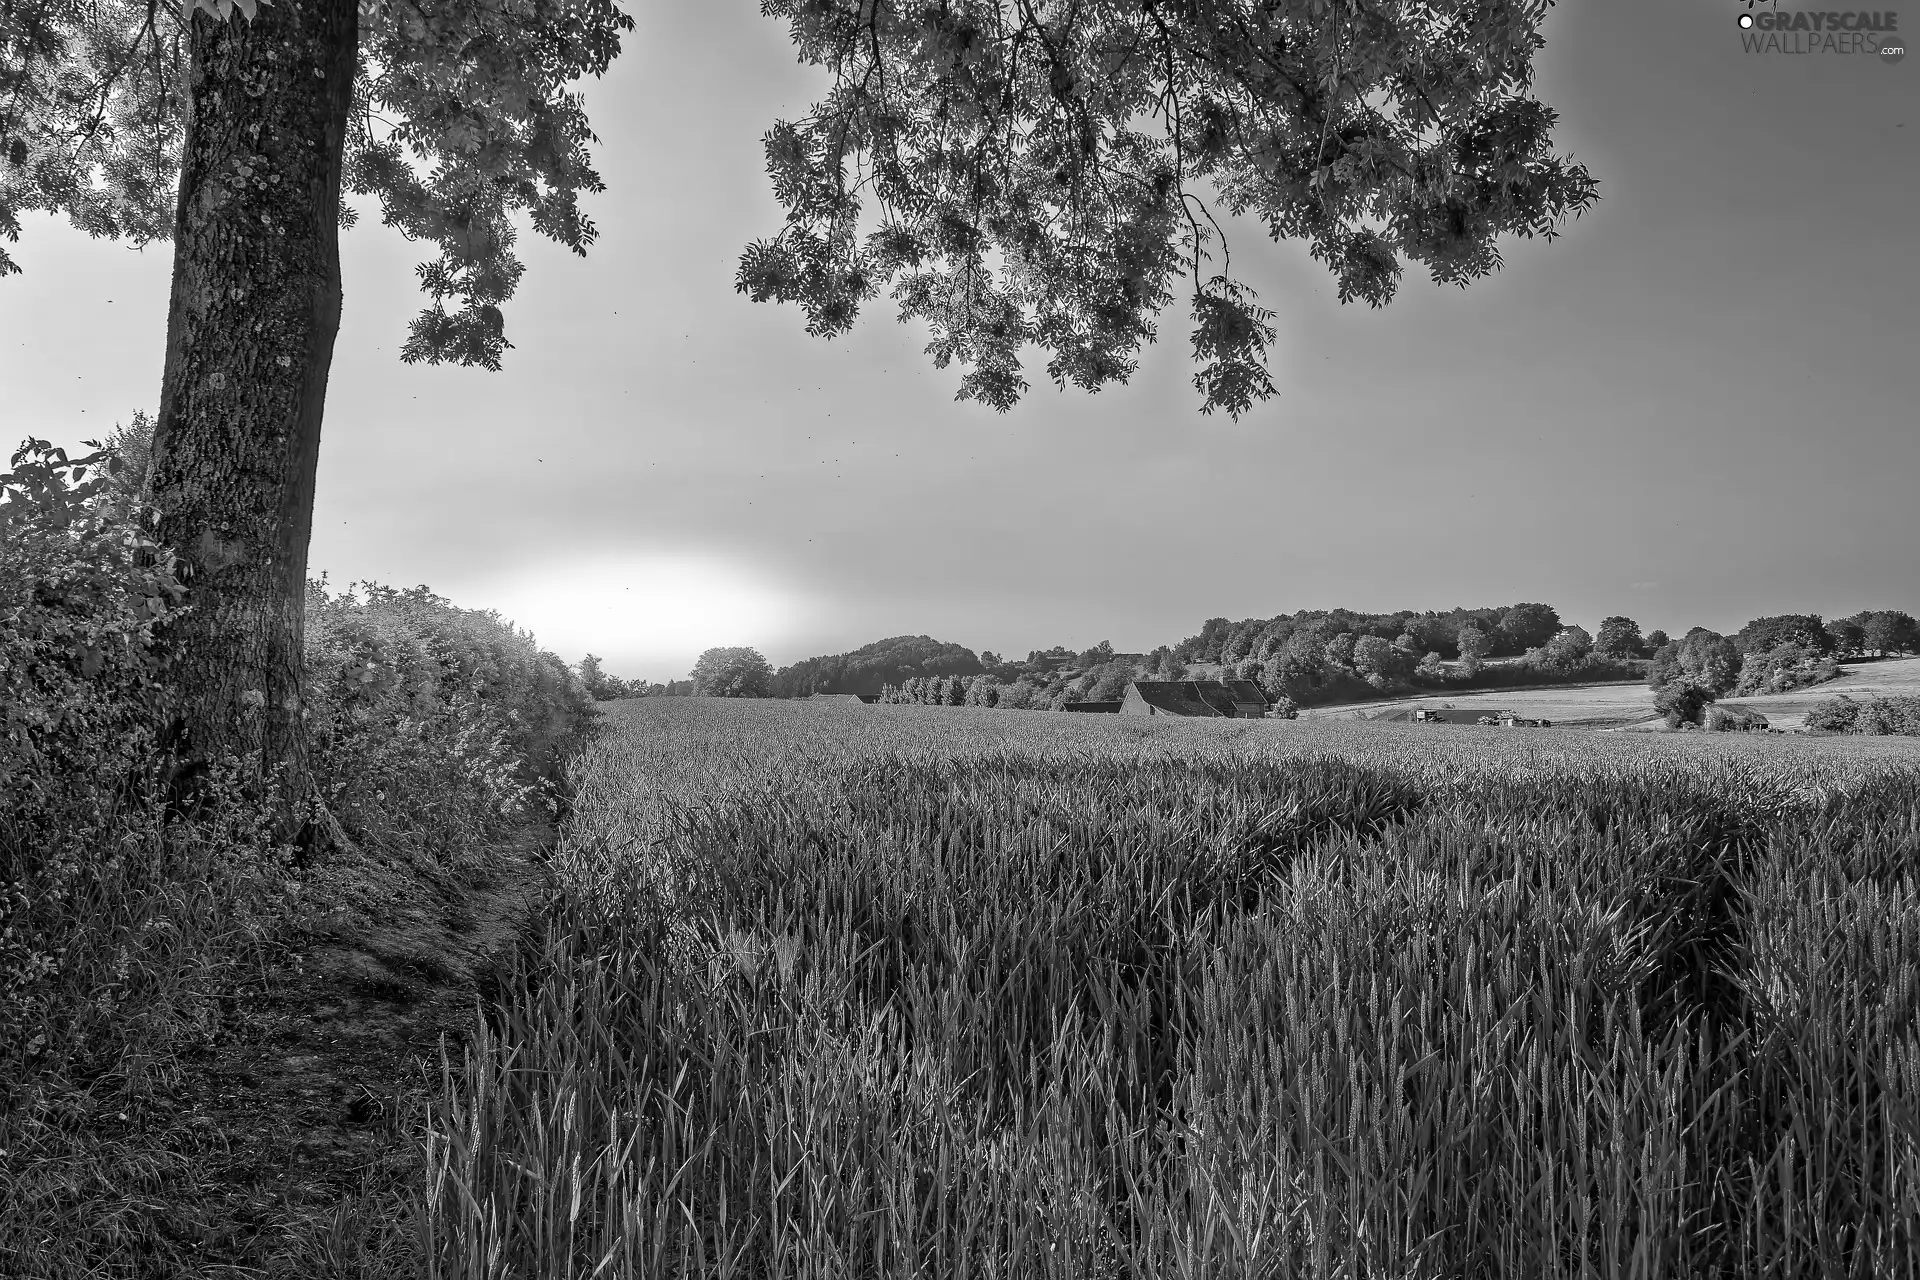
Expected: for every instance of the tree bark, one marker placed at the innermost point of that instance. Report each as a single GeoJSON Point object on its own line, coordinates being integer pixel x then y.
{"type": "Point", "coordinates": [250, 332]}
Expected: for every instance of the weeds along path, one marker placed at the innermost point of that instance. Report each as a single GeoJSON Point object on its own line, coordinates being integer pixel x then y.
{"type": "Point", "coordinates": [289, 1146]}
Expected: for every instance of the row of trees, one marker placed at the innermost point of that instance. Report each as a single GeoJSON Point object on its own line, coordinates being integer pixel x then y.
{"type": "Point", "coordinates": [606, 688]}
{"type": "Point", "coordinates": [1510, 630]}
{"type": "Point", "coordinates": [981, 690]}
{"type": "Point", "coordinates": [871, 668]}
{"type": "Point", "coordinates": [1314, 656]}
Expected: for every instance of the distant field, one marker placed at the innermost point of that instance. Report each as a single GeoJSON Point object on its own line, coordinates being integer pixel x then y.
{"type": "Point", "coordinates": [811, 730]}
{"type": "Point", "coordinates": [1603, 706]}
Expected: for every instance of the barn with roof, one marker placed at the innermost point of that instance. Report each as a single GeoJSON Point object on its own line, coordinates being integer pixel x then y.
{"type": "Point", "coordinates": [1231, 699]}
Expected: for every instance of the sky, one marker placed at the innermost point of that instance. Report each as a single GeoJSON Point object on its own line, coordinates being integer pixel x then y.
{"type": "Point", "coordinates": [1695, 408]}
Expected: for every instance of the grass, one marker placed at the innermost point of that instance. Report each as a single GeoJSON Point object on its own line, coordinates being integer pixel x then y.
{"type": "Point", "coordinates": [281, 1139]}
{"type": "Point", "coordinates": [896, 991]}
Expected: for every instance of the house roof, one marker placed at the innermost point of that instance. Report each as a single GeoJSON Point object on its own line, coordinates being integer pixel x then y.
{"type": "Point", "coordinates": [837, 697]}
{"type": "Point", "coordinates": [1200, 697]}
{"type": "Point", "coordinates": [1246, 691]}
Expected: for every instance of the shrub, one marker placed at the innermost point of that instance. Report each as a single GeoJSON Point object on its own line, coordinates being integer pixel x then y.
{"type": "Point", "coordinates": [1890, 715]}
{"type": "Point", "coordinates": [1877, 716]}
{"type": "Point", "coordinates": [1836, 715]}
{"type": "Point", "coordinates": [1723, 719]}
{"type": "Point", "coordinates": [1682, 702]}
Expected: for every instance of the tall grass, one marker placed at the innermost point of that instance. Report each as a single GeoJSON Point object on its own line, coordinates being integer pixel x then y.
{"type": "Point", "coordinates": [917, 993]}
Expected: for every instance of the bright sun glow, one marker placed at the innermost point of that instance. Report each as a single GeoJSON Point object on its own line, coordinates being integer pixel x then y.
{"type": "Point", "coordinates": [645, 617]}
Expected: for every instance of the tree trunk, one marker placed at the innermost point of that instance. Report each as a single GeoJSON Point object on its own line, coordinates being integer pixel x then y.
{"type": "Point", "coordinates": [250, 331]}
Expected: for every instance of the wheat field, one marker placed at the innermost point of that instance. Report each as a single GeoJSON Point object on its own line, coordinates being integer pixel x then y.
{"type": "Point", "coordinates": [909, 991]}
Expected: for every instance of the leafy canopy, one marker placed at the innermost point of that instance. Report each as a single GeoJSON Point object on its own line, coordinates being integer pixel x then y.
{"type": "Point", "coordinates": [1037, 166]}
{"type": "Point", "coordinates": [471, 91]}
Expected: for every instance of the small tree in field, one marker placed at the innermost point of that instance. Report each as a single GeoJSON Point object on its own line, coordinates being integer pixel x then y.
{"type": "Point", "coordinates": [732, 673]}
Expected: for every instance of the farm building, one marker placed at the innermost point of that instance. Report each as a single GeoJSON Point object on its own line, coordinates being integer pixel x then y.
{"type": "Point", "coordinates": [1233, 699]}
{"type": "Point", "coordinates": [1447, 715]}
{"type": "Point", "coordinates": [1093, 708]}
{"type": "Point", "coordinates": [854, 698]}
{"type": "Point", "coordinates": [1451, 715]}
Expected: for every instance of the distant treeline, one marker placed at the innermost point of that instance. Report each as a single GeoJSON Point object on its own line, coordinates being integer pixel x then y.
{"type": "Point", "coordinates": [871, 668]}
{"type": "Point", "coordinates": [1306, 658]}
{"type": "Point", "coordinates": [1511, 629]}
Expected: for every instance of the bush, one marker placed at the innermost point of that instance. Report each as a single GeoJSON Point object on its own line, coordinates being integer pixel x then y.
{"type": "Point", "coordinates": [1841, 714]}
{"type": "Point", "coordinates": [1682, 702]}
{"type": "Point", "coordinates": [1722, 719]}
{"type": "Point", "coordinates": [1836, 715]}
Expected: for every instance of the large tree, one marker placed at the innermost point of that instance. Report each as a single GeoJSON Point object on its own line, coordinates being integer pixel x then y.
{"type": "Point", "coordinates": [1527, 626]}
{"type": "Point", "coordinates": [1619, 637]}
{"type": "Point", "coordinates": [234, 134]}
{"type": "Point", "coordinates": [1042, 172]}
{"type": "Point", "coordinates": [1762, 635]}
{"type": "Point", "coordinates": [732, 673]}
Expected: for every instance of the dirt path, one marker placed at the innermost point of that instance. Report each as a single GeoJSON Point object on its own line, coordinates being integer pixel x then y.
{"type": "Point", "coordinates": [285, 1148]}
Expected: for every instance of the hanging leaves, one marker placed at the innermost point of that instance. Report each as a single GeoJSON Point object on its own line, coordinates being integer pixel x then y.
{"type": "Point", "coordinates": [1045, 174]}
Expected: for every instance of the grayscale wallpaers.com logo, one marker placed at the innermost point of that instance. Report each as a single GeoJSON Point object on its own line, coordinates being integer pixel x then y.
{"type": "Point", "coordinates": [1857, 31]}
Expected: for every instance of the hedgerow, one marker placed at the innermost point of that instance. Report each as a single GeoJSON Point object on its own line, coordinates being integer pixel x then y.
{"type": "Point", "coordinates": [127, 920]}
